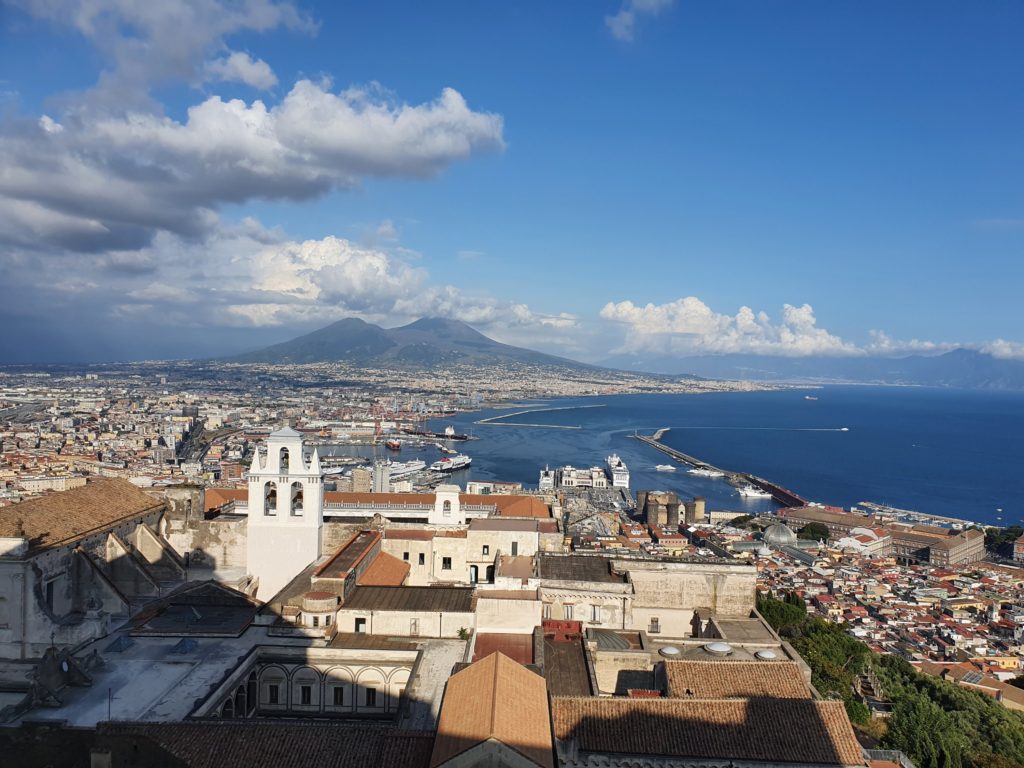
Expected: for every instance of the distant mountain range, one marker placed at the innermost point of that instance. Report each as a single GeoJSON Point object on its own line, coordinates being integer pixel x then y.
{"type": "Point", "coordinates": [433, 341]}
{"type": "Point", "coordinates": [427, 342]}
{"type": "Point", "coordinates": [965, 368]}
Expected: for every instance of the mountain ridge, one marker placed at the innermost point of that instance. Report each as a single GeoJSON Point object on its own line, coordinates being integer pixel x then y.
{"type": "Point", "coordinates": [961, 367]}
{"type": "Point", "coordinates": [422, 343]}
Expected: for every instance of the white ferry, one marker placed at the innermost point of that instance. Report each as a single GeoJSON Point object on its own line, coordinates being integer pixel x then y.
{"type": "Point", "coordinates": [453, 464]}
{"type": "Point", "coordinates": [707, 472]}
{"type": "Point", "coordinates": [618, 472]}
{"type": "Point", "coordinates": [753, 492]}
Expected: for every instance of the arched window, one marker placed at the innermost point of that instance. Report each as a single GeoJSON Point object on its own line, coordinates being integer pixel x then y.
{"type": "Point", "coordinates": [446, 508]}
{"type": "Point", "coordinates": [282, 461]}
{"type": "Point", "coordinates": [296, 498]}
{"type": "Point", "coordinates": [270, 498]}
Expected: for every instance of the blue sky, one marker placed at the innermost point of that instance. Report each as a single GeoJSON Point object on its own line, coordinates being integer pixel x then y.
{"type": "Point", "coordinates": [597, 191]}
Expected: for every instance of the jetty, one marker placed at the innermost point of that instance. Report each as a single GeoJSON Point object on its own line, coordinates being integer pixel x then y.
{"type": "Point", "coordinates": [783, 496]}
{"type": "Point", "coordinates": [499, 421]}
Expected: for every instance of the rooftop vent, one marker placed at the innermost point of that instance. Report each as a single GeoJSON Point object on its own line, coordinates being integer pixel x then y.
{"type": "Point", "coordinates": [766, 655]}
{"type": "Point", "coordinates": [669, 651]}
{"type": "Point", "coordinates": [718, 649]}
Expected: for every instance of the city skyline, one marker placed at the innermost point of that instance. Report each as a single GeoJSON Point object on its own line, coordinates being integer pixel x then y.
{"type": "Point", "coordinates": [638, 176]}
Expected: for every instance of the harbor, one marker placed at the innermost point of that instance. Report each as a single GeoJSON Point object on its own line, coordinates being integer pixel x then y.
{"type": "Point", "coordinates": [742, 480]}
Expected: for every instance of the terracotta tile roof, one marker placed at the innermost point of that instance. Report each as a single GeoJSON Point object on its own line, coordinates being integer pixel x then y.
{"type": "Point", "coordinates": [736, 680]}
{"type": "Point", "coordinates": [505, 505]}
{"type": "Point", "coordinates": [235, 744]}
{"type": "Point", "coordinates": [62, 518]}
{"type": "Point", "coordinates": [495, 698]}
{"type": "Point", "coordinates": [768, 730]}
{"type": "Point", "coordinates": [385, 571]}
{"type": "Point", "coordinates": [215, 498]}
{"type": "Point", "coordinates": [519, 648]}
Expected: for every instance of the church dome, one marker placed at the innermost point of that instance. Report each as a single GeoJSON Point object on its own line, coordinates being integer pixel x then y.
{"type": "Point", "coordinates": [779, 535]}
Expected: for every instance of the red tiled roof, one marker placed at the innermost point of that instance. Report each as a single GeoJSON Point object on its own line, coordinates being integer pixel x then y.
{"type": "Point", "coordinates": [736, 680]}
{"type": "Point", "coordinates": [385, 571]}
{"type": "Point", "coordinates": [63, 518]}
{"type": "Point", "coordinates": [768, 730]}
{"type": "Point", "coordinates": [495, 698]}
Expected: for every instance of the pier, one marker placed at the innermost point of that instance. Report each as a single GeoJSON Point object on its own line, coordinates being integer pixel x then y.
{"type": "Point", "coordinates": [499, 421]}
{"type": "Point", "coordinates": [782, 495]}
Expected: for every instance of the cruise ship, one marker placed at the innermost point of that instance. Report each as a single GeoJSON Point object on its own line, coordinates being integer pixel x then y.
{"type": "Point", "coordinates": [399, 469]}
{"type": "Point", "coordinates": [618, 472]}
{"type": "Point", "coordinates": [453, 464]}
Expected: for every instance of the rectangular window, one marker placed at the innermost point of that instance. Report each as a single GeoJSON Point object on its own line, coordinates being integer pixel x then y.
{"type": "Point", "coordinates": [272, 694]}
{"type": "Point", "coordinates": [515, 548]}
{"type": "Point", "coordinates": [306, 693]}
{"type": "Point", "coordinates": [405, 556]}
{"type": "Point", "coordinates": [446, 563]}
{"type": "Point", "coordinates": [595, 614]}
{"type": "Point", "coordinates": [567, 612]}
{"type": "Point", "coordinates": [655, 625]}
{"type": "Point", "coordinates": [327, 620]}
{"type": "Point", "coordinates": [547, 610]}
{"type": "Point", "coordinates": [316, 621]}
{"type": "Point", "coordinates": [487, 549]}
{"type": "Point", "coordinates": [49, 594]}
{"type": "Point", "coordinates": [422, 559]}
{"type": "Point", "coordinates": [360, 625]}
{"type": "Point", "coordinates": [339, 696]}
{"type": "Point", "coordinates": [371, 697]}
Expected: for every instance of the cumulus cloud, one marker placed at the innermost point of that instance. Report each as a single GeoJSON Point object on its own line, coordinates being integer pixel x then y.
{"type": "Point", "coordinates": [1004, 350]}
{"type": "Point", "coordinates": [241, 68]}
{"type": "Point", "coordinates": [246, 276]}
{"type": "Point", "coordinates": [884, 345]}
{"type": "Point", "coordinates": [622, 24]}
{"type": "Point", "coordinates": [149, 43]}
{"type": "Point", "coordinates": [112, 182]}
{"type": "Point", "coordinates": [688, 326]}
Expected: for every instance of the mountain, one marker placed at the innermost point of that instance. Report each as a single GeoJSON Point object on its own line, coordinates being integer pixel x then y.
{"type": "Point", "coordinates": [426, 342]}
{"type": "Point", "coordinates": [964, 368]}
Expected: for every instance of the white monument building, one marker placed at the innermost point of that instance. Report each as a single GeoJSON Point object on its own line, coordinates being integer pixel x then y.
{"type": "Point", "coordinates": [286, 511]}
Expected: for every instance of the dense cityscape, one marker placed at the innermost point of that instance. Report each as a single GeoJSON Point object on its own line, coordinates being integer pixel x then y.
{"type": "Point", "coordinates": [619, 384]}
{"type": "Point", "coordinates": [129, 495]}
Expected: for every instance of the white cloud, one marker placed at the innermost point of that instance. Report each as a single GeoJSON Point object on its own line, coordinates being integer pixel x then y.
{"type": "Point", "coordinates": [688, 326]}
{"type": "Point", "coordinates": [241, 68]}
{"type": "Point", "coordinates": [884, 345]}
{"type": "Point", "coordinates": [622, 24]}
{"type": "Point", "coordinates": [112, 182]}
{"type": "Point", "coordinates": [1004, 350]}
{"type": "Point", "coordinates": [149, 43]}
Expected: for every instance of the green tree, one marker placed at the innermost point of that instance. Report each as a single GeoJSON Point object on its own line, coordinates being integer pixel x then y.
{"type": "Point", "coordinates": [814, 532]}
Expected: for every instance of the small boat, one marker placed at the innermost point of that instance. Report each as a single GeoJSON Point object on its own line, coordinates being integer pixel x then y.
{"type": "Point", "coordinates": [393, 445]}
{"type": "Point", "coordinates": [808, 397]}
{"type": "Point", "coordinates": [665, 468]}
{"type": "Point", "coordinates": [844, 429]}
{"type": "Point", "coordinates": [753, 492]}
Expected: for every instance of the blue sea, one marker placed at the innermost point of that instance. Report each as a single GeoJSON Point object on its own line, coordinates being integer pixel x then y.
{"type": "Point", "coordinates": [956, 453]}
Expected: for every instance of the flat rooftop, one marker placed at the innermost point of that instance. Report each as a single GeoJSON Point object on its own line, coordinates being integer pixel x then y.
{"type": "Point", "coordinates": [577, 568]}
{"type": "Point", "coordinates": [434, 599]}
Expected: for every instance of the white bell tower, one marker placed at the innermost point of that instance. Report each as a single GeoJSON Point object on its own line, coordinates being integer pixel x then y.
{"type": "Point", "coordinates": [286, 511]}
